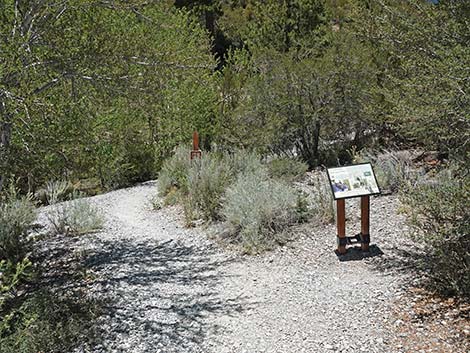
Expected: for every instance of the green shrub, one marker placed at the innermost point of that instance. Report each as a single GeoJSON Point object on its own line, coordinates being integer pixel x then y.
{"type": "Point", "coordinates": [156, 203]}
{"type": "Point", "coordinates": [11, 274]}
{"type": "Point", "coordinates": [244, 162]}
{"type": "Point", "coordinates": [45, 322]}
{"type": "Point", "coordinates": [287, 169]}
{"type": "Point", "coordinates": [392, 168]}
{"type": "Point", "coordinates": [207, 180]}
{"type": "Point", "coordinates": [16, 217]}
{"type": "Point", "coordinates": [257, 209]}
{"type": "Point", "coordinates": [302, 207]}
{"type": "Point", "coordinates": [322, 202]}
{"type": "Point", "coordinates": [174, 172]}
{"type": "Point", "coordinates": [440, 217]}
{"type": "Point", "coordinates": [57, 190]}
{"type": "Point", "coordinates": [75, 217]}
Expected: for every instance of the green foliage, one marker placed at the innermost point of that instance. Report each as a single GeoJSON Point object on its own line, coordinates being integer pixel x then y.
{"type": "Point", "coordinates": [56, 191]}
{"type": "Point", "coordinates": [75, 217]}
{"type": "Point", "coordinates": [306, 106]}
{"type": "Point", "coordinates": [207, 180]}
{"type": "Point", "coordinates": [11, 275]}
{"type": "Point", "coordinates": [46, 322]}
{"type": "Point", "coordinates": [174, 172]}
{"type": "Point", "coordinates": [440, 216]}
{"type": "Point", "coordinates": [257, 209]}
{"type": "Point", "coordinates": [100, 91]}
{"type": "Point", "coordinates": [16, 217]}
{"type": "Point", "coordinates": [34, 320]}
{"type": "Point", "coordinates": [281, 25]}
{"type": "Point", "coordinates": [322, 202]}
{"type": "Point", "coordinates": [287, 168]}
{"type": "Point", "coordinates": [393, 169]}
{"type": "Point", "coordinates": [424, 79]}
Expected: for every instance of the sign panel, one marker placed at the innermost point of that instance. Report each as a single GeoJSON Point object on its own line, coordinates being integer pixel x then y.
{"type": "Point", "coordinates": [352, 181]}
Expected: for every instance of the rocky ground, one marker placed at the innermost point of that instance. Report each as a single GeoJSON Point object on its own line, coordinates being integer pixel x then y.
{"type": "Point", "coordinates": [166, 288]}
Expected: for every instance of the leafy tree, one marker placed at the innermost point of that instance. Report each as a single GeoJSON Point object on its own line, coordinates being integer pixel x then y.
{"type": "Point", "coordinates": [280, 25]}
{"type": "Point", "coordinates": [426, 68]}
{"type": "Point", "coordinates": [84, 82]}
{"type": "Point", "coordinates": [310, 97]}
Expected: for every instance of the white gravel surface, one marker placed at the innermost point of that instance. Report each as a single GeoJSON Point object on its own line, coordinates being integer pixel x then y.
{"type": "Point", "coordinates": [167, 288]}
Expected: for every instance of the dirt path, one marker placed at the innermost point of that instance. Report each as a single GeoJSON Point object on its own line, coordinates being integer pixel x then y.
{"type": "Point", "coordinates": [171, 289]}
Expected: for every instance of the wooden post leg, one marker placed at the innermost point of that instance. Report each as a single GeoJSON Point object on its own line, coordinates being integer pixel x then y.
{"type": "Point", "coordinates": [365, 223]}
{"type": "Point", "coordinates": [195, 141]}
{"type": "Point", "coordinates": [341, 225]}
{"type": "Point", "coordinates": [196, 152]}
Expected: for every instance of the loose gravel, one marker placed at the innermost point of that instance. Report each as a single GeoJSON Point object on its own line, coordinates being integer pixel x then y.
{"type": "Point", "coordinates": [167, 288]}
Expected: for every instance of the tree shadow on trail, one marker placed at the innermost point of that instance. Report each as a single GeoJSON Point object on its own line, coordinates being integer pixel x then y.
{"type": "Point", "coordinates": [405, 261]}
{"type": "Point", "coordinates": [163, 295]}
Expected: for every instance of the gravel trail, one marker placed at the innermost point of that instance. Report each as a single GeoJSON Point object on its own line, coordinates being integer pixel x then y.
{"type": "Point", "coordinates": [168, 288]}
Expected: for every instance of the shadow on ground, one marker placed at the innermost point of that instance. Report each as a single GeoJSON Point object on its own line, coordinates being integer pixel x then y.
{"type": "Point", "coordinates": [162, 294]}
{"type": "Point", "coordinates": [406, 261]}
{"type": "Point", "coordinates": [356, 254]}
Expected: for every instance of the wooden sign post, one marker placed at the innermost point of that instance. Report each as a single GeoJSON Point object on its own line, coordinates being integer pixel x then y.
{"type": "Point", "coordinates": [341, 225]}
{"type": "Point", "coordinates": [348, 182]}
{"type": "Point", "coordinates": [196, 152]}
{"type": "Point", "coordinates": [365, 216]}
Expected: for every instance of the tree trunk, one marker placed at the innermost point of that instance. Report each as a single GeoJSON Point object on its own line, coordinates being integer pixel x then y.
{"type": "Point", "coordinates": [5, 138]}
{"type": "Point", "coordinates": [316, 142]}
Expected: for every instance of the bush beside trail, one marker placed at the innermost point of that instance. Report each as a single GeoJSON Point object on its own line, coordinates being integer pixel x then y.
{"type": "Point", "coordinates": [440, 215]}
{"type": "Point", "coordinates": [258, 209]}
{"type": "Point", "coordinates": [255, 201]}
{"type": "Point", "coordinates": [34, 316]}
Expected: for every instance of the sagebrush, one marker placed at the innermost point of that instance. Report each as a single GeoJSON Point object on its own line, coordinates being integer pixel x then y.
{"type": "Point", "coordinates": [75, 217]}
{"type": "Point", "coordinates": [208, 179]}
{"type": "Point", "coordinates": [45, 322]}
{"type": "Point", "coordinates": [16, 217]}
{"type": "Point", "coordinates": [392, 168]}
{"type": "Point", "coordinates": [174, 173]}
{"type": "Point", "coordinates": [289, 169]}
{"type": "Point", "coordinates": [57, 190]}
{"type": "Point", "coordinates": [257, 208]}
{"type": "Point", "coordinates": [440, 217]}
{"type": "Point", "coordinates": [322, 203]}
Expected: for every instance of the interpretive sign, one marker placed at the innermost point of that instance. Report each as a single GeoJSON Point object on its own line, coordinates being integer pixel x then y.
{"type": "Point", "coordinates": [353, 181]}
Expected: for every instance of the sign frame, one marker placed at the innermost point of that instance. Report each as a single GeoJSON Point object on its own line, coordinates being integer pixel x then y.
{"type": "Point", "coordinates": [353, 196]}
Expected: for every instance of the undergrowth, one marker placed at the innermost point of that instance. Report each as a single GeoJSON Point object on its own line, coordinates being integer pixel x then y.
{"type": "Point", "coordinates": [42, 321]}
{"type": "Point", "coordinates": [75, 217]}
{"type": "Point", "coordinates": [16, 217]}
{"type": "Point", "coordinates": [288, 169]}
{"type": "Point", "coordinates": [207, 180]}
{"type": "Point", "coordinates": [439, 214]}
{"type": "Point", "coordinates": [258, 210]}
{"type": "Point", "coordinates": [323, 204]}
{"type": "Point", "coordinates": [256, 204]}
{"type": "Point", "coordinates": [33, 317]}
{"type": "Point", "coordinates": [393, 169]}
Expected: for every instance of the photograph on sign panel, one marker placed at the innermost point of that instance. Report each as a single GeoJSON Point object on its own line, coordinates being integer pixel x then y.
{"type": "Point", "coordinates": [351, 181]}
